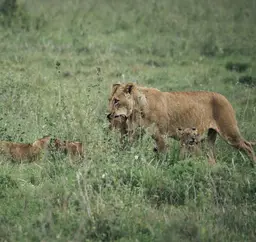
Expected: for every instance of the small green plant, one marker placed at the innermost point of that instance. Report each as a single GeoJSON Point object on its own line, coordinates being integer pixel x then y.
{"type": "Point", "coordinates": [16, 16]}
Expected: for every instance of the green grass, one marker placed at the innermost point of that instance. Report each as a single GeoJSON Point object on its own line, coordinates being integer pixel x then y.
{"type": "Point", "coordinates": [115, 194]}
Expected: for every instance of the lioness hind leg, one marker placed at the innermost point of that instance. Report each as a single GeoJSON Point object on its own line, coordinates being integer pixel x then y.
{"type": "Point", "coordinates": [238, 142]}
{"type": "Point", "coordinates": [211, 138]}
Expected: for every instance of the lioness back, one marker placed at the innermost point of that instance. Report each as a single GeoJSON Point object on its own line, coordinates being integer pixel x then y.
{"type": "Point", "coordinates": [201, 109]}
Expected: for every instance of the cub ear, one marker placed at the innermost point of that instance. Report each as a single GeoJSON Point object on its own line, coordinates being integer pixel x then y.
{"type": "Point", "coordinates": [129, 87]}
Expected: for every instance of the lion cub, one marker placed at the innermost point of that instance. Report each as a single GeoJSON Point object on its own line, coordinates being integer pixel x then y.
{"type": "Point", "coordinates": [190, 142]}
{"type": "Point", "coordinates": [22, 151]}
{"type": "Point", "coordinates": [74, 149]}
{"type": "Point", "coordinates": [118, 123]}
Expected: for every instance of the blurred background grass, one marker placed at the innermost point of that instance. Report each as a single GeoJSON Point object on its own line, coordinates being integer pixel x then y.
{"type": "Point", "coordinates": [122, 195]}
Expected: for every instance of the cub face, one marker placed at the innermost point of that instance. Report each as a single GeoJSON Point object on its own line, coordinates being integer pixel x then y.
{"type": "Point", "coordinates": [188, 136]}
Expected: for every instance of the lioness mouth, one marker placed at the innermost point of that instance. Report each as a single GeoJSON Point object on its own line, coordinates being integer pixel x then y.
{"type": "Point", "coordinates": [121, 115]}
{"type": "Point", "coordinates": [110, 116]}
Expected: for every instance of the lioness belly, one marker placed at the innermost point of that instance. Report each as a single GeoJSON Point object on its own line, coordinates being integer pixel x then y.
{"type": "Point", "coordinates": [200, 120]}
{"type": "Point", "coordinates": [183, 111]}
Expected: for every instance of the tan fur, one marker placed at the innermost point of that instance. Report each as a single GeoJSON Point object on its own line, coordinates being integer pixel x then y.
{"type": "Point", "coordinates": [21, 151]}
{"type": "Point", "coordinates": [163, 112]}
{"type": "Point", "coordinates": [74, 149]}
{"type": "Point", "coordinates": [190, 142]}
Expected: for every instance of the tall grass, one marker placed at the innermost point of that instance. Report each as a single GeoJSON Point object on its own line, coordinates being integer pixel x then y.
{"type": "Point", "coordinates": [116, 194]}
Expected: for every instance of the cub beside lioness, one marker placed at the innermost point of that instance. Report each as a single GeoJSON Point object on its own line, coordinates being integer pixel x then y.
{"type": "Point", "coordinates": [163, 112]}
{"type": "Point", "coordinates": [190, 142]}
{"type": "Point", "coordinates": [72, 148]}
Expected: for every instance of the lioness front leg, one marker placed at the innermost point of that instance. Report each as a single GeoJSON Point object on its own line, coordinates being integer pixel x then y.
{"type": "Point", "coordinates": [160, 143]}
{"type": "Point", "coordinates": [211, 153]}
{"type": "Point", "coordinates": [124, 133]}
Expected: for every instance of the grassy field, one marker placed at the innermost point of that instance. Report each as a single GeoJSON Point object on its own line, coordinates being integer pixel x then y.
{"type": "Point", "coordinates": [115, 194]}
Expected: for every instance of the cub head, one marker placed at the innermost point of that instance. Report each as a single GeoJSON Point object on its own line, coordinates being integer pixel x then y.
{"type": "Point", "coordinates": [78, 146]}
{"type": "Point", "coordinates": [188, 136]}
{"type": "Point", "coordinates": [42, 143]}
{"type": "Point", "coordinates": [121, 101]}
{"type": "Point", "coordinates": [118, 122]}
{"type": "Point", "coordinates": [58, 144]}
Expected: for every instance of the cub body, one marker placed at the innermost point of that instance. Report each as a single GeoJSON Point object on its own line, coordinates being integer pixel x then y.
{"type": "Point", "coordinates": [190, 142]}
{"type": "Point", "coordinates": [74, 149]}
{"type": "Point", "coordinates": [21, 151]}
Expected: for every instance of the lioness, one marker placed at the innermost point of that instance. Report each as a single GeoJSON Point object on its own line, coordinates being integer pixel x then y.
{"type": "Point", "coordinates": [190, 142]}
{"type": "Point", "coordinates": [21, 151]}
{"type": "Point", "coordinates": [74, 149]}
{"type": "Point", "coordinates": [164, 112]}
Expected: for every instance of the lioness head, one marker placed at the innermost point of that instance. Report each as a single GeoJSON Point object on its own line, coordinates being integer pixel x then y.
{"type": "Point", "coordinates": [188, 136]}
{"type": "Point", "coordinates": [121, 101]}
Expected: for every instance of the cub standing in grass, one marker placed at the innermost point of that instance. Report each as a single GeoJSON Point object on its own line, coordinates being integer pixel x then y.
{"type": "Point", "coordinates": [190, 142]}
{"type": "Point", "coordinates": [163, 112]}
{"type": "Point", "coordinates": [74, 149]}
{"type": "Point", "coordinates": [21, 151]}
{"type": "Point", "coordinates": [118, 123]}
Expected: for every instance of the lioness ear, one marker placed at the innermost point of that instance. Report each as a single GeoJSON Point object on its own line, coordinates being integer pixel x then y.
{"type": "Point", "coordinates": [129, 87]}
{"type": "Point", "coordinates": [116, 85]}
{"type": "Point", "coordinates": [114, 88]}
